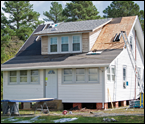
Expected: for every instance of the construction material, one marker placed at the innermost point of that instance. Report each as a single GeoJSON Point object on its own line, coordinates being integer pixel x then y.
{"type": "Point", "coordinates": [134, 104]}
{"type": "Point", "coordinates": [110, 98]}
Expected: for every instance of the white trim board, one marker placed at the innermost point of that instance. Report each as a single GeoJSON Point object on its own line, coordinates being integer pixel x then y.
{"type": "Point", "coordinates": [59, 66]}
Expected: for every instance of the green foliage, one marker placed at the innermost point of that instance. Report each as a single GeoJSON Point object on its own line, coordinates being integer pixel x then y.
{"type": "Point", "coordinates": [80, 10]}
{"type": "Point", "coordinates": [23, 20]}
{"type": "Point", "coordinates": [123, 9]}
{"type": "Point", "coordinates": [55, 13]}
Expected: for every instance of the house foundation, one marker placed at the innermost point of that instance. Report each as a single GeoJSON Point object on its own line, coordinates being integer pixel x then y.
{"type": "Point", "coordinates": [77, 104]}
{"type": "Point", "coordinates": [123, 103]}
{"type": "Point", "coordinates": [99, 106]}
{"type": "Point", "coordinates": [105, 105]}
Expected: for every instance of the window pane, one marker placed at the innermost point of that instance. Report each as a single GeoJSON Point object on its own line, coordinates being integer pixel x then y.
{"type": "Point", "coordinates": [13, 73]}
{"type": "Point", "coordinates": [68, 78]}
{"type": "Point", "coordinates": [76, 46]}
{"type": "Point", "coordinates": [124, 72]}
{"type": "Point", "coordinates": [108, 77]}
{"type": "Point", "coordinates": [64, 47]}
{"type": "Point", "coordinates": [53, 48]}
{"type": "Point", "coordinates": [64, 40]}
{"type": "Point", "coordinates": [80, 71]}
{"type": "Point", "coordinates": [67, 71]}
{"type": "Point", "coordinates": [113, 71]}
{"type": "Point", "coordinates": [93, 78]}
{"type": "Point", "coordinates": [113, 77]}
{"type": "Point", "coordinates": [108, 70]}
{"type": "Point", "coordinates": [80, 78]}
{"type": "Point", "coordinates": [34, 79]}
{"type": "Point", "coordinates": [76, 39]}
{"type": "Point", "coordinates": [23, 79]}
{"type": "Point", "coordinates": [23, 73]}
{"type": "Point", "coordinates": [13, 79]}
{"type": "Point", "coordinates": [53, 40]}
{"type": "Point", "coordinates": [34, 72]}
{"type": "Point", "coordinates": [93, 71]}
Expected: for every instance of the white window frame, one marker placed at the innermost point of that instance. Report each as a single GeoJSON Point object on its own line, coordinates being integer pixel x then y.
{"type": "Point", "coordinates": [80, 44]}
{"type": "Point", "coordinates": [111, 73]}
{"type": "Point", "coordinates": [61, 44]}
{"type": "Point", "coordinates": [139, 70]}
{"type": "Point", "coordinates": [34, 76]}
{"type": "Point", "coordinates": [75, 74]}
{"type": "Point", "coordinates": [131, 42]}
{"type": "Point", "coordinates": [86, 81]}
{"type": "Point", "coordinates": [23, 83]}
{"type": "Point", "coordinates": [124, 81]}
{"type": "Point", "coordinates": [12, 76]}
{"type": "Point", "coordinates": [113, 66]}
{"type": "Point", "coordinates": [108, 68]}
{"type": "Point", "coordinates": [50, 46]}
{"type": "Point", "coordinates": [93, 74]}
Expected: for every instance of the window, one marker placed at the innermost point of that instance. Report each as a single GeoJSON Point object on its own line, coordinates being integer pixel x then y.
{"type": "Point", "coordinates": [34, 76]}
{"type": "Point", "coordinates": [67, 75]}
{"type": "Point", "coordinates": [80, 74]}
{"type": "Point", "coordinates": [124, 77]}
{"type": "Point", "coordinates": [139, 76]}
{"type": "Point", "coordinates": [51, 72]}
{"type": "Point", "coordinates": [131, 42]}
{"type": "Point", "coordinates": [53, 44]}
{"type": "Point", "coordinates": [13, 76]}
{"type": "Point", "coordinates": [76, 43]}
{"type": "Point", "coordinates": [113, 73]}
{"type": "Point", "coordinates": [64, 44]}
{"type": "Point", "coordinates": [93, 74]}
{"type": "Point", "coordinates": [23, 76]}
{"type": "Point", "coordinates": [108, 74]}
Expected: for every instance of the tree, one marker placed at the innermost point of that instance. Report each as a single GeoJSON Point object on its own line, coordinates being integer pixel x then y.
{"type": "Point", "coordinates": [55, 13]}
{"type": "Point", "coordinates": [80, 10]}
{"type": "Point", "coordinates": [23, 20]}
{"type": "Point", "coordinates": [124, 8]}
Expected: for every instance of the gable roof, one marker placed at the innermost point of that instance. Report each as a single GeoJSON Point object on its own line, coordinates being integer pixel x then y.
{"type": "Point", "coordinates": [105, 39]}
{"type": "Point", "coordinates": [87, 25]}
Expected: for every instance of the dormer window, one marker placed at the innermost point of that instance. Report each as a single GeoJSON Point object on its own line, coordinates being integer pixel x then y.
{"type": "Point", "coordinates": [64, 44]}
{"type": "Point", "coordinates": [53, 44]}
{"type": "Point", "coordinates": [76, 43]}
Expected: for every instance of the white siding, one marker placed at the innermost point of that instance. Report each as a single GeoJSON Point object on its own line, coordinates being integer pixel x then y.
{"type": "Point", "coordinates": [119, 94]}
{"type": "Point", "coordinates": [93, 37]}
{"type": "Point", "coordinates": [27, 91]}
{"type": "Point", "coordinates": [81, 93]}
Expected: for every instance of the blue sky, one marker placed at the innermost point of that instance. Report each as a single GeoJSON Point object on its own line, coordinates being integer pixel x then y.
{"type": "Point", "coordinates": [42, 6]}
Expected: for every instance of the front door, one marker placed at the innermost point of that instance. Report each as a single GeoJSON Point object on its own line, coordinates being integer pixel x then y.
{"type": "Point", "coordinates": [51, 83]}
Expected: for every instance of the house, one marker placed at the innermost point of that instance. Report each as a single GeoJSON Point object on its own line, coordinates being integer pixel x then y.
{"type": "Point", "coordinates": [56, 62]}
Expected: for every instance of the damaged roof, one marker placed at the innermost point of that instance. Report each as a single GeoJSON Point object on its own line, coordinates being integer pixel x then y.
{"type": "Point", "coordinates": [105, 38]}
{"type": "Point", "coordinates": [87, 25]}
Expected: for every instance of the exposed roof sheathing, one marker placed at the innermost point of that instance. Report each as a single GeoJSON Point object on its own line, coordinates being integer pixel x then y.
{"type": "Point", "coordinates": [105, 39]}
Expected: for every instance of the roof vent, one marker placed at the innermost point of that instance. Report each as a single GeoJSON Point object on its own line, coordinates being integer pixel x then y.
{"type": "Point", "coordinates": [94, 53]}
{"type": "Point", "coordinates": [54, 29]}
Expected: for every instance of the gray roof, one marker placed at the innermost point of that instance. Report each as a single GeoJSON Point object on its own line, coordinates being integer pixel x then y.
{"type": "Point", "coordinates": [106, 57]}
{"type": "Point", "coordinates": [87, 25]}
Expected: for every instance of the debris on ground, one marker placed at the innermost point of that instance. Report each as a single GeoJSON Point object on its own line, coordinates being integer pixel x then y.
{"type": "Point", "coordinates": [109, 120]}
{"type": "Point", "coordinates": [64, 120]}
{"type": "Point", "coordinates": [75, 108]}
{"type": "Point", "coordinates": [91, 113]}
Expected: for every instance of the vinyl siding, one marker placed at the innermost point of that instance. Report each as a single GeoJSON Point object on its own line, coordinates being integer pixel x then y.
{"type": "Point", "coordinates": [19, 91]}
{"type": "Point", "coordinates": [119, 94]}
{"type": "Point", "coordinates": [81, 93]}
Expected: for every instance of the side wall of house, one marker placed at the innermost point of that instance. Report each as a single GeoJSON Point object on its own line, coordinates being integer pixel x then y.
{"type": "Point", "coordinates": [93, 37]}
{"type": "Point", "coordinates": [81, 93]}
{"type": "Point", "coordinates": [23, 91]}
{"type": "Point", "coordinates": [119, 93]}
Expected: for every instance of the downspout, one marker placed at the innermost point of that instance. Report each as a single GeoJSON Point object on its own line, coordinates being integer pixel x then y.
{"type": "Point", "coordinates": [135, 66]}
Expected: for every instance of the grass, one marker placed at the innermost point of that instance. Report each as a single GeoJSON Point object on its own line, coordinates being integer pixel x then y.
{"type": "Point", "coordinates": [81, 119]}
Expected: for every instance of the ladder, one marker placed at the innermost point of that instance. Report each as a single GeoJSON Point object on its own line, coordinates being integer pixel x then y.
{"type": "Point", "coordinates": [127, 45]}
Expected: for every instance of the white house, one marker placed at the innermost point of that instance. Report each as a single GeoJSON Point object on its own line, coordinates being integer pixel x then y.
{"type": "Point", "coordinates": [53, 63]}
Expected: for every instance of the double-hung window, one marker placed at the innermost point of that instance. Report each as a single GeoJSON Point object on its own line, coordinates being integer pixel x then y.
{"type": "Point", "coordinates": [23, 76]}
{"type": "Point", "coordinates": [34, 76]}
{"type": "Point", "coordinates": [67, 76]}
{"type": "Point", "coordinates": [113, 73]}
{"type": "Point", "coordinates": [64, 44]}
{"type": "Point", "coordinates": [108, 74]}
{"type": "Point", "coordinates": [53, 44]}
{"type": "Point", "coordinates": [13, 76]}
{"type": "Point", "coordinates": [131, 44]}
{"type": "Point", "coordinates": [93, 74]}
{"type": "Point", "coordinates": [80, 75]}
{"type": "Point", "coordinates": [139, 76]}
{"type": "Point", "coordinates": [124, 77]}
{"type": "Point", "coordinates": [76, 43]}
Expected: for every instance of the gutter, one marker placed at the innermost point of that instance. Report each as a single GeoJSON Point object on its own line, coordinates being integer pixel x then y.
{"type": "Point", "coordinates": [55, 67]}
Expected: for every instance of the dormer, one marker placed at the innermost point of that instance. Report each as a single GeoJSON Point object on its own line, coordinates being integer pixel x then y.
{"type": "Point", "coordinates": [70, 37]}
